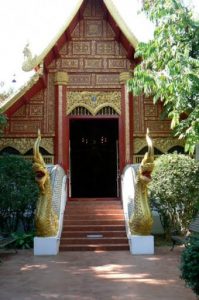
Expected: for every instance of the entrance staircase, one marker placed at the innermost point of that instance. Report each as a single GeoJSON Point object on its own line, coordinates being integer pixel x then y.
{"type": "Point", "coordinates": [93, 224]}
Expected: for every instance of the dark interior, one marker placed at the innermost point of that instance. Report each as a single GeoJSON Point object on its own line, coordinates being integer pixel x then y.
{"type": "Point", "coordinates": [93, 155]}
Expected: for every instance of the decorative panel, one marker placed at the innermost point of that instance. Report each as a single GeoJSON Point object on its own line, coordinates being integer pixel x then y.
{"type": "Point", "coordinates": [93, 63]}
{"type": "Point", "coordinates": [105, 48]}
{"type": "Point", "coordinates": [25, 144]}
{"type": "Point", "coordinates": [36, 110]}
{"type": "Point", "coordinates": [93, 28]}
{"type": "Point", "coordinates": [70, 63]}
{"type": "Point", "coordinates": [107, 79]}
{"type": "Point", "coordinates": [158, 126]}
{"type": "Point", "coordinates": [81, 47]}
{"type": "Point", "coordinates": [147, 115]}
{"type": "Point", "coordinates": [117, 63]}
{"type": "Point", "coordinates": [49, 112]}
{"type": "Point", "coordinates": [80, 79]}
{"type": "Point", "coordinates": [150, 110]}
{"type": "Point", "coordinates": [25, 126]}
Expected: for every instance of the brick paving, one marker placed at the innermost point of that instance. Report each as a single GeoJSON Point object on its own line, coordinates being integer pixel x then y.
{"type": "Point", "coordinates": [114, 275]}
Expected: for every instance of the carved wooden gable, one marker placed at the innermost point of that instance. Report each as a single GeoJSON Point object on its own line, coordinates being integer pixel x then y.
{"type": "Point", "coordinates": [93, 58]}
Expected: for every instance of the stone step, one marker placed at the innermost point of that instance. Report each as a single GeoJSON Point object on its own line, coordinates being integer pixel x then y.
{"type": "Point", "coordinates": [74, 234]}
{"type": "Point", "coordinates": [70, 216]}
{"type": "Point", "coordinates": [94, 204]}
{"type": "Point", "coordinates": [94, 222]}
{"type": "Point", "coordinates": [95, 228]}
{"type": "Point", "coordinates": [90, 247]}
{"type": "Point", "coordinates": [93, 200]}
{"type": "Point", "coordinates": [94, 241]}
{"type": "Point", "coordinates": [94, 210]}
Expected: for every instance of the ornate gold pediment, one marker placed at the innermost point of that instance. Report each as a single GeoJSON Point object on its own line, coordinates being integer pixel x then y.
{"type": "Point", "coordinates": [93, 101]}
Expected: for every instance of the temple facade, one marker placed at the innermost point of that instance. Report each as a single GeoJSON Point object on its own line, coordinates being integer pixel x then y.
{"type": "Point", "coordinates": [78, 98]}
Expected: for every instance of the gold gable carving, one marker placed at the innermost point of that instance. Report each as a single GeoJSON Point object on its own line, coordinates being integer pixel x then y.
{"type": "Point", "coordinates": [25, 144]}
{"type": "Point", "coordinates": [162, 144]}
{"type": "Point", "coordinates": [93, 101]}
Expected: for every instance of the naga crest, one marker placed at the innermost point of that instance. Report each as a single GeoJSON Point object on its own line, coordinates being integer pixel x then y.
{"type": "Point", "coordinates": [39, 166]}
{"type": "Point", "coordinates": [147, 164]}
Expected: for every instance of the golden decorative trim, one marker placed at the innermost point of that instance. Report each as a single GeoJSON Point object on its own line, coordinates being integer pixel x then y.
{"type": "Point", "coordinates": [61, 78]}
{"type": "Point", "coordinates": [162, 144]}
{"type": "Point", "coordinates": [25, 144]}
{"type": "Point", "coordinates": [124, 76]}
{"type": "Point", "coordinates": [93, 101]}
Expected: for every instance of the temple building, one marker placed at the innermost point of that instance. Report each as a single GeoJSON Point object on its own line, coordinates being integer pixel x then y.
{"type": "Point", "coordinates": [78, 98]}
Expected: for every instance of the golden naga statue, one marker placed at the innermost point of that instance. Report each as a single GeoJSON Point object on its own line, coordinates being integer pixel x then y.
{"type": "Point", "coordinates": [46, 221]}
{"type": "Point", "coordinates": [141, 219]}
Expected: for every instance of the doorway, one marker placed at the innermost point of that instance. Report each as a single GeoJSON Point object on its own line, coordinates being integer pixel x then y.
{"type": "Point", "coordinates": [94, 158]}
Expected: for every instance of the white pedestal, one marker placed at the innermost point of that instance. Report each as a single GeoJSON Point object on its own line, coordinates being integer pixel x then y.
{"type": "Point", "coordinates": [46, 245]}
{"type": "Point", "coordinates": [140, 244]}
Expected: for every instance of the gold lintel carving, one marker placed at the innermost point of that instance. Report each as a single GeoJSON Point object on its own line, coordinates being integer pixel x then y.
{"type": "Point", "coordinates": [93, 101]}
{"type": "Point", "coordinates": [24, 144]}
{"type": "Point", "coordinates": [162, 144]}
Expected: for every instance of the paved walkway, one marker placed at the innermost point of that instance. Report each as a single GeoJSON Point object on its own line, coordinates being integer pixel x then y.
{"type": "Point", "coordinates": [93, 276]}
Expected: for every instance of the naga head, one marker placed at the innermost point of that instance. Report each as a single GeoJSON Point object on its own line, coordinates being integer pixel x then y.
{"type": "Point", "coordinates": [147, 163]}
{"type": "Point", "coordinates": [39, 167]}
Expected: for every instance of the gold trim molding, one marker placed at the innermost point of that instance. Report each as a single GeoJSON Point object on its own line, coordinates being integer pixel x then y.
{"type": "Point", "coordinates": [162, 144]}
{"type": "Point", "coordinates": [61, 78]}
{"type": "Point", "coordinates": [124, 76]}
{"type": "Point", "coordinates": [24, 144]}
{"type": "Point", "coordinates": [93, 101]}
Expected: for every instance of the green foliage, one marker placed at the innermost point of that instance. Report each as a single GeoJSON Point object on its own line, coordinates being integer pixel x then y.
{"type": "Point", "coordinates": [174, 190]}
{"type": "Point", "coordinates": [169, 70]}
{"type": "Point", "coordinates": [23, 240]}
{"type": "Point", "coordinates": [19, 193]}
{"type": "Point", "coordinates": [190, 264]}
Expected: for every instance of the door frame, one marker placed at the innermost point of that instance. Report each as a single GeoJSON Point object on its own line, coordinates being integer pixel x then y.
{"type": "Point", "coordinates": [121, 148]}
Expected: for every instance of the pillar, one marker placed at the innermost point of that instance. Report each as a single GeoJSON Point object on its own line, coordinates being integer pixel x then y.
{"type": "Point", "coordinates": [61, 149]}
{"type": "Point", "coordinates": [124, 120]}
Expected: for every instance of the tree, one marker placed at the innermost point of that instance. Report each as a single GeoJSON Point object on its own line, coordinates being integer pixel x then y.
{"type": "Point", "coordinates": [169, 70]}
{"type": "Point", "coordinates": [19, 193]}
{"type": "Point", "coordinates": [174, 190]}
